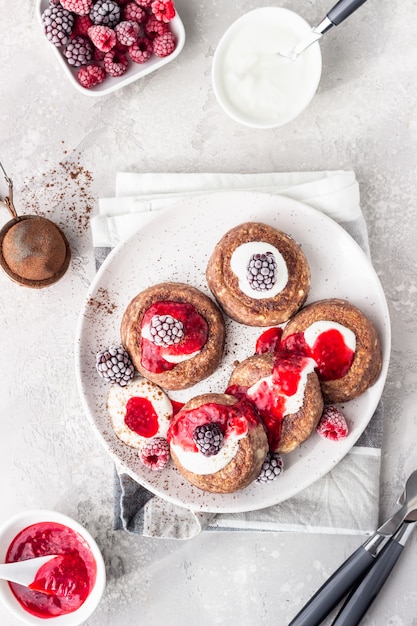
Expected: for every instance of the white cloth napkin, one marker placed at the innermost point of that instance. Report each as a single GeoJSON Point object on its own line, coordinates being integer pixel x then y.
{"type": "Point", "coordinates": [346, 500]}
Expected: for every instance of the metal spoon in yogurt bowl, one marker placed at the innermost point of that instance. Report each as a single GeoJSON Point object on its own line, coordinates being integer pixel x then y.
{"type": "Point", "coordinates": [334, 17]}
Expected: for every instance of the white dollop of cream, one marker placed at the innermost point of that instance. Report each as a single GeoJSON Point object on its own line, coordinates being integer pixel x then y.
{"type": "Point", "coordinates": [239, 264]}
{"type": "Point", "coordinates": [312, 333]}
{"type": "Point", "coordinates": [198, 463]}
{"type": "Point", "coordinates": [292, 403]}
{"type": "Point", "coordinates": [117, 400]}
{"type": "Point", "coordinates": [170, 358]}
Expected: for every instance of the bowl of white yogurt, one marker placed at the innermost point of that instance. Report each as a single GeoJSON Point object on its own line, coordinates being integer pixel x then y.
{"type": "Point", "coordinates": [253, 83]}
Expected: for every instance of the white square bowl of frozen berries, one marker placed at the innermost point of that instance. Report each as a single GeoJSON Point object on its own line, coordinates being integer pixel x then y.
{"type": "Point", "coordinates": [104, 45]}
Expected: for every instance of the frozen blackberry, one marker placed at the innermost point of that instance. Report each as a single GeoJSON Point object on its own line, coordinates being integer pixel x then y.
{"type": "Point", "coordinates": [166, 330]}
{"type": "Point", "coordinates": [105, 13]}
{"type": "Point", "coordinates": [79, 51]}
{"type": "Point", "coordinates": [271, 468]}
{"type": "Point", "coordinates": [261, 271]}
{"type": "Point", "coordinates": [114, 365]}
{"type": "Point", "coordinates": [58, 24]}
{"type": "Point", "coordinates": [208, 438]}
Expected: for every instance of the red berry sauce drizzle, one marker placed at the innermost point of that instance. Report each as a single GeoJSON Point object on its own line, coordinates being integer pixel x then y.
{"type": "Point", "coordinates": [63, 584]}
{"type": "Point", "coordinates": [330, 352]}
{"type": "Point", "coordinates": [233, 420]}
{"type": "Point", "coordinates": [141, 417]}
{"type": "Point", "coordinates": [333, 359]}
{"type": "Point", "coordinates": [195, 333]}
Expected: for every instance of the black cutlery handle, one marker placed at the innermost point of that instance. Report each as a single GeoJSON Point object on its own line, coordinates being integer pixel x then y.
{"type": "Point", "coordinates": [334, 589]}
{"type": "Point", "coordinates": [365, 593]}
{"type": "Point", "coordinates": [343, 9]}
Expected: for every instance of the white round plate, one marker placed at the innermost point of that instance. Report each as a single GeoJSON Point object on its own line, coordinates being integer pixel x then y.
{"type": "Point", "coordinates": [176, 246]}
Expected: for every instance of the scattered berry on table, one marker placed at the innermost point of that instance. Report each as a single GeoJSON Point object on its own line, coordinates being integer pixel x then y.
{"type": "Point", "coordinates": [79, 7]}
{"type": "Point", "coordinates": [163, 10]}
{"type": "Point", "coordinates": [105, 12]}
{"type": "Point", "coordinates": [127, 32]}
{"type": "Point", "coordinates": [58, 24]}
{"type": "Point", "coordinates": [134, 12]}
{"type": "Point", "coordinates": [261, 271]}
{"type": "Point", "coordinates": [332, 424]}
{"type": "Point", "coordinates": [154, 27]}
{"type": "Point", "coordinates": [271, 468]}
{"type": "Point", "coordinates": [164, 45]}
{"type": "Point", "coordinates": [155, 453]}
{"type": "Point", "coordinates": [79, 51]}
{"type": "Point", "coordinates": [114, 363]}
{"type": "Point", "coordinates": [208, 438]}
{"type": "Point", "coordinates": [115, 63]}
{"type": "Point", "coordinates": [141, 50]}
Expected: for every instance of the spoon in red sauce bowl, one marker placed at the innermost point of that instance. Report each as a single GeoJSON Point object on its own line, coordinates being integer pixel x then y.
{"type": "Point", "coordinates": [26, 572]}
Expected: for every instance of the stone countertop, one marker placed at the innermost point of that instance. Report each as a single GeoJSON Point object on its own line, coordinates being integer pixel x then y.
{"type": "Point", "coordinates": [62, 150]}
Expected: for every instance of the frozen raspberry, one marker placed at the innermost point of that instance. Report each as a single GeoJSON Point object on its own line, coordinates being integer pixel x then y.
{"type": "Point", "coordinates": [332, 424]}
{"type": "Point", "coordinates": [155, 453]}
{"type": "Point", "coordinates": [114, 364]}
{"type": "Point", "coordinates": [79, 7]}
{"type": "Point", "coordinates": [98, 55]}
{"type": "Point", "coordinates": [208, 438]}
{"type": "Point", "coordinates": [115, 63]}
{"type": "Point", "coordinates": [91, 75]}
{"type": "Point", "coordinates": [106, 13]}
{"type": "Point", "coordinates": [163, 45]}
{"type": "Point", "coordinates": [134, 12]}
{"type": "Point", "coordinates": [146, 4]}
{"type": "Point", "coordinates": [141, 50]}
{"type": "Point", "coordinates": [271, 468]}
{"type": "Point", "coordinates": [127, 32]}
{"type": "Point", "coordinates": [58, 24]}
{"type": "Point", "coordinates": [103, 37]}
{"type": "Point", "coordinates": [163, 10]}
{"type": "Point", "coordinates": [54, 3]}
{"type": "Point", "coordinates": [154, 27]}
{"type": "Point", "coordinates": [81, 25]}
{"type": "Point", "coordinates": [79, 51]}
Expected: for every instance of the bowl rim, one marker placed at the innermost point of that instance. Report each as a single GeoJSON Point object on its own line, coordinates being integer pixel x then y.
{"type": "Point", "coordinates": [8, 531]}
{"type": "Point", "coordinates": [152, 65]}
{"type": "Point", "coordinates": [215, 71]}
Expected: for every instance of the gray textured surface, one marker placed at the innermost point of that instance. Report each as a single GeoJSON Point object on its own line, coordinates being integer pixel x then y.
{"type": "Point", "coordinates": [62, 150]}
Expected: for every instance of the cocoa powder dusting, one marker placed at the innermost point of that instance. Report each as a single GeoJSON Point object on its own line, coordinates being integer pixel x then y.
{"type": "Point", "coordinates": [101, 303]}
{"type": "Point", "coordinates": [64, 189]}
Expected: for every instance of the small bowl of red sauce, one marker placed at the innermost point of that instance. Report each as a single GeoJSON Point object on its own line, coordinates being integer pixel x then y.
{"type": "Point", "coordinates": [66, 590]}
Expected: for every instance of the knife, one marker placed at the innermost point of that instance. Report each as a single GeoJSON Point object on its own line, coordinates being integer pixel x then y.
{"type": "Point", "coordinates": [357, 565]}
{"type": "Point", "coordinates": [365, 593]}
